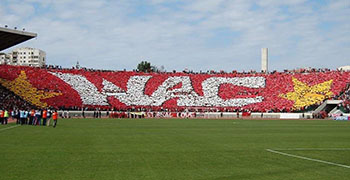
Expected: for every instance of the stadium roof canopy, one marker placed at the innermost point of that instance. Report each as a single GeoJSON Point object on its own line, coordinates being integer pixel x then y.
{"type": "Point", "coordinates": [11, 37]}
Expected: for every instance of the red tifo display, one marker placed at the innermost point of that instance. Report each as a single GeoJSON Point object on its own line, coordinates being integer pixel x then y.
{"type": "Point", "coordinates": [175, 91]}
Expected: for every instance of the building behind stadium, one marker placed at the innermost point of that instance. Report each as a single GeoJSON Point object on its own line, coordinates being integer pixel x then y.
{"type": "Point", "coordinates": [25, 56]}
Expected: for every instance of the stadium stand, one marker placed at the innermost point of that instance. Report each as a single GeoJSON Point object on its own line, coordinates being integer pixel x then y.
{"type": "Point", "coordinates": [8, 100]}
{"type": "Point", "coordinates": [345, 96]}
{"type": "Point", "coordinates": [179, 91]}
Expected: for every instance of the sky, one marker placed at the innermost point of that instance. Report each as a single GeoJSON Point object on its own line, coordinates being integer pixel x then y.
{"type": "Point", "coordinates": [197, 35]}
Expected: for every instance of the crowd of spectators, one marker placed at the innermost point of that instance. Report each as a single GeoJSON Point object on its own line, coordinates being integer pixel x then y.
{"type": "Point", "coordinates": [242, 96]}
{"type": "Point", "coordinates": [8, 100]}
{"type": "Point", "coordinates": [285, 71]}
{"type": "Point", "coordinates": [345, 97]}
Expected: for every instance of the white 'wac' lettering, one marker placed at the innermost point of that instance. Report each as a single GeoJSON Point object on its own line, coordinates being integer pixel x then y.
{"type": "Point", "coordinates": [186, 95]}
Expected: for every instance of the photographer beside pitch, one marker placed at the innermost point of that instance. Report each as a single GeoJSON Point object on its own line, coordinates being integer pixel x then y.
{"type": "Point", "coordinates": [54, 118]}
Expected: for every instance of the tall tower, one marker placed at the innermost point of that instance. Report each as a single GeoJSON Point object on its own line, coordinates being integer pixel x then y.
{"type": "Point", "coordinates": [264, 60]}
{"type": "Point", "coordinates": [77, 66]}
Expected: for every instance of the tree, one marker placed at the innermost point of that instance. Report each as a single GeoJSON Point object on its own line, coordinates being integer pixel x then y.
{"type": "Point", "coordinates": [144, 66]}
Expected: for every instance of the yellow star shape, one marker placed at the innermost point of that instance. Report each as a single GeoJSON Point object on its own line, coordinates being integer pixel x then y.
{"type": "Point", "coordinates": [304, 95]}
{"type": "Point", "coordinates": [22, 87]}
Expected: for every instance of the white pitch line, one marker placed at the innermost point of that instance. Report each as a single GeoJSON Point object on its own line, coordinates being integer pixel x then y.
{"type": "Point", "coordinates": [3, 129]}
{"type": "Point", "coordinates": [314, 149]}
{"type": "Point", "coordinates": [309, 159]}
{"type": "Point", "coordinates": [303, 126]}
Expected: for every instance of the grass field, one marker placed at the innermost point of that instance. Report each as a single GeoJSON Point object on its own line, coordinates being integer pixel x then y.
{"type": "Point", "coordinates": [176, 149]}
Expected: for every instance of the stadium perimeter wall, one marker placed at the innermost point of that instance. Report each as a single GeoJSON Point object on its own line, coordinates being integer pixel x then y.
{"type": "Point", "coordinates": [211, 115]}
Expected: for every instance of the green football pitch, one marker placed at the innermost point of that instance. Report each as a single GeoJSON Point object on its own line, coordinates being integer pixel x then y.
{"type": "Point", "coordinates": [176, 149]}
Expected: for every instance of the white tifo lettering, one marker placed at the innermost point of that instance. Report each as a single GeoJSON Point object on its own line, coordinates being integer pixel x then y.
{"type": "Point", "coordinates": [88, 92]}
{"type": "Point", "coordinates": [166, 91]}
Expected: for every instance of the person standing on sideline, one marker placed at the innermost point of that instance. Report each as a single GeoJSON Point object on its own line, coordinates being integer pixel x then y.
{"type": "Point", "coordinates": [83, 113]}
{"type": "Point", "coordinates": [44, 117]}
{"type": "Point", "coordinates": [37, 117]}
{"type": "Point", "coordinates": [26, 115]}
{"type": "Point", "coordinates": [32, 117]}
{"type": "Point", "coordinates": [18, 116]}
{"type": "Point", "coordinates": [54, 118]}
{"type": "Point", "coordinates": [6, 116]}
{"type": "Point", "coordinates": [2, 114]}
{"type": "Point", "coordinates": [49, 114]}
{"type": "Point", "coordinates": [21, 115]}
{"type": "Point", "coordinates": [14, 115]}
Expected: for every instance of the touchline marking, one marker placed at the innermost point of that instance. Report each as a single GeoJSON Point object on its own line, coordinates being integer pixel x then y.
{"type": "Point", "coordinates": [314, 149]}
{"type": "Point", "coordinates": [303, 126]}
{"type": "Point", "coordinates": [8, 128]}
{"type": "Point", "coordinates": [306, 158]}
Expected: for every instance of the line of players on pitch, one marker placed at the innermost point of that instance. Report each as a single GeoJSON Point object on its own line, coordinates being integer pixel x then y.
{"type": "Point", "coordinates": [33, 117]}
